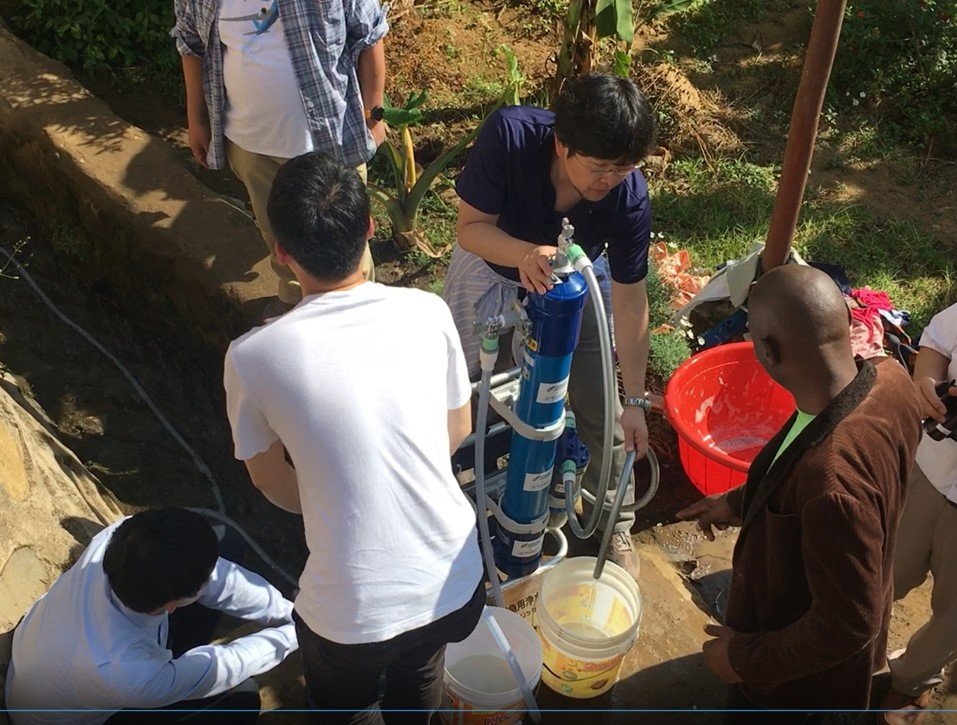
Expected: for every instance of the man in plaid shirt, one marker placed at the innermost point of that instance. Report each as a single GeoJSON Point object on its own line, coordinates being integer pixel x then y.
{"type": "Point", "coordinates": [268, 80]}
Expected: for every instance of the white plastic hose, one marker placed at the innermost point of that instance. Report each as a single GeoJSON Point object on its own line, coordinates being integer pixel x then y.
{"type": "Point", "coordinates": [611, 393]}
{"type": "Point", "coordinates": [480, 505]}
{"type": "Point", "coordinates": [502, 641]}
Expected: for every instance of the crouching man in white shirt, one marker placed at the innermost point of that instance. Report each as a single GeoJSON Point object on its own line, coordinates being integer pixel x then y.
{"type": "Point", "coordinates": [109, 635]}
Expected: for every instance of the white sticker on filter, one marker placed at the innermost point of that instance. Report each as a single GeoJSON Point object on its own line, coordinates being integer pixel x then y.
{"type": "Point", "coordinates": [524, 549]}
{"type": "Point", "coordinates": [552, 392]}
{"type": "Point", "coordinates": [537, 481]}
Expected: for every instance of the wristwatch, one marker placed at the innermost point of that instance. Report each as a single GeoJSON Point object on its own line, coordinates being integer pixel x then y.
{"type": "Point", "coordinates": [376, 114]}
{"type": "Point", "coordinates": [637, 402]}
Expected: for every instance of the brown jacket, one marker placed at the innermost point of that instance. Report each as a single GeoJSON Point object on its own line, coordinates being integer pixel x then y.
{"type": "Point", "coordinates": [811, 591]}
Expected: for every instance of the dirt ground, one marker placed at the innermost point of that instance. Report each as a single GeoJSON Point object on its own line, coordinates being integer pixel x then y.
{"type": "Point", "coordinates": [116, 435]}
{"type": "Point", "coordinates": [98, 413]}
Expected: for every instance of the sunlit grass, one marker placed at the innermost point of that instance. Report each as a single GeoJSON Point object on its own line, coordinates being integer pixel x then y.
{"type": "Point", "coordinates": [717, 210]}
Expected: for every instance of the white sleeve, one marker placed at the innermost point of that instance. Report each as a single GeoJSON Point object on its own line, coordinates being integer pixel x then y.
{"type": "Point", "coordinates": [941, 333]}
{"type": "Point", "coordinates": [457, 374]}
{"type": "Point", "coordinates": [241, 593]}
{"type": "Point", "coordinates": [214, 668]}
{"type": "Point", "coordinates": [251, 431]}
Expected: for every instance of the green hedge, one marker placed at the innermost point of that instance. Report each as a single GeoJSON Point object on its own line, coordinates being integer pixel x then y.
{"type": "Point", "coordinates": [126, 37]}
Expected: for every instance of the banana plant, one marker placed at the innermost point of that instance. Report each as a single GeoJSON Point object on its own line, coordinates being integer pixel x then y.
{"type": "Point", "coordinates": [588, 21]}
{"type": "Point", "coordinates": [412, 181]}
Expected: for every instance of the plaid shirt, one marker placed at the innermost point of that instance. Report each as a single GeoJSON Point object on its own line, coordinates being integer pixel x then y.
{"type": "Point", "coordinates": [324, 38]}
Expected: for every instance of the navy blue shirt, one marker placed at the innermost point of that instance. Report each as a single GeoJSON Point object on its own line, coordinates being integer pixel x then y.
{"type": "Point", "coordinates": [508, 174]}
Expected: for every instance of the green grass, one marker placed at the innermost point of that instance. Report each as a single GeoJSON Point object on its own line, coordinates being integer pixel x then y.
{"type": "Point", "coordinates": [536, 18]}
{"type": "Point", "coordinates": [714, 21]}
{"type": "Point", "coordinates": [717, 210]}
{"type": "Point", "coordinates": [441, 8]}
{"type": "Point", "coordinates": [667, 350]}
{"type": "Point", "coordinates": [437, 217]}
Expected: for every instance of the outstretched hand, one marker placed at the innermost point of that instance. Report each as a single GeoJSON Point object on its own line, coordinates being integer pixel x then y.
{"type": "Point", "coordinates": [712, 512]}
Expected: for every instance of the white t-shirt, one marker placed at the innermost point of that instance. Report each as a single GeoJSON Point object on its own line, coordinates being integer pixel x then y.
{"type": "Point", "coordinates": [264, 111]}
{"type": "Point", "coordinates": [357, 385]}
{"type": "Point", "coordinates": [938, 459]}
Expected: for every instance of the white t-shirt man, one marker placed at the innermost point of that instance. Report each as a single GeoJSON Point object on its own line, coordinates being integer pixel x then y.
{"type": "Point", "coordinates": [938, 459]}
{"type": "Point", "coordinates": [357, 384]}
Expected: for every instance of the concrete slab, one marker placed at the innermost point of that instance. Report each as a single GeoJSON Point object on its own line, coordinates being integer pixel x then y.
{"type": "Point", "coordinates": [152, 229]}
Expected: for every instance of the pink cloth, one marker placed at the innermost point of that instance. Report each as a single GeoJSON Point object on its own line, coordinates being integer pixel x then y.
{"type": "Point", "coordinates": [867, 336]}
{"type": "Point", "coordinates": [867, 326]}
{"type": "Point", "coordinates": [868, 297]}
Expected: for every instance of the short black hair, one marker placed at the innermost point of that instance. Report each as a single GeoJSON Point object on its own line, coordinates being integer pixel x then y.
{"type": "Point", "coordinates": [319, 211]}
{"type": "Point", "coordinates": [605, 117]}
{"type": "Point", "coordinates": [158, 556]}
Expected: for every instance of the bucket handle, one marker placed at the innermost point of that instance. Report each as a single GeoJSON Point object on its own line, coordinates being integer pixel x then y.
{"type": "Point", "coordinates": [502, 641]}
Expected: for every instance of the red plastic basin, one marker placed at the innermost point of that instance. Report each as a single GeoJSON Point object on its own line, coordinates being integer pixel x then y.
{"type": "Point", "coordinates": [724, 407]}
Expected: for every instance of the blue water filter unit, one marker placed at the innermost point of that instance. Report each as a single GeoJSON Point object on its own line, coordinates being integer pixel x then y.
{"type": "Point", "coordinates": [554, 325]}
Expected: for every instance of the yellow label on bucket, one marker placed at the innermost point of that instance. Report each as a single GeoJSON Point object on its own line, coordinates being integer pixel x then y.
{"type": "Point", "coordinates": [575, 677]}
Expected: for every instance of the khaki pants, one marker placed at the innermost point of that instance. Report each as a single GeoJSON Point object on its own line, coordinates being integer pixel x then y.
{"type": "Point", "coordinates": [927, 542]}
{"type": "Point", "coordinates": [257, 173]}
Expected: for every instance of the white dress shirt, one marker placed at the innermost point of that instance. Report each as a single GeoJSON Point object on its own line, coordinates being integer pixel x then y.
{"type": "Point", "coordinates": [80, 655]}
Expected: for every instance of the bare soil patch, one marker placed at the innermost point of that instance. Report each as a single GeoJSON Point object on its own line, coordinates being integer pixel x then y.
{"type": "Point", "coordinates": [97, 412]}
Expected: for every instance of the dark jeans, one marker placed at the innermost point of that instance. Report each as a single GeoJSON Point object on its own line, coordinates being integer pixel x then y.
{"type": "Point", "coordinates": [194, 626]}
{"type": "Point", "coordinates": [346, 677]}
{"type": "Point", "coordinates": [753, 715]}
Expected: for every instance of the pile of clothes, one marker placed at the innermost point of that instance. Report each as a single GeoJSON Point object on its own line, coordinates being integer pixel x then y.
{"type": "Point", "coordinates": [715, 312]}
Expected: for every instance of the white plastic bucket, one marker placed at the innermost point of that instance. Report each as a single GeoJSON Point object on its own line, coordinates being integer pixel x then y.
{"type": "Point", "coordinates": [479, 686]}
{"type": "Point", "coordinates": [586, 626]}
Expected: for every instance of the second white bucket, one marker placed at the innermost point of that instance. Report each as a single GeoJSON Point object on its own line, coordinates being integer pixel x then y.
{"type": "Point", "coordinates": [479, 686]}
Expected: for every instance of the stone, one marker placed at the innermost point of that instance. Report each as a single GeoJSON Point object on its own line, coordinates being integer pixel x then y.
{"type": "Point", "coordinates": [50, 507]}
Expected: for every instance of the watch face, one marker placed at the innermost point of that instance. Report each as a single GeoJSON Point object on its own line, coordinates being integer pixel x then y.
{"type": "Point", "coordinates": [376, 114]}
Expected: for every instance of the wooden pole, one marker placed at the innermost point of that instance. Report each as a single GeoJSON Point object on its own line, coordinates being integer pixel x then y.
{"type": "Point", "coordinates": [821, 48]}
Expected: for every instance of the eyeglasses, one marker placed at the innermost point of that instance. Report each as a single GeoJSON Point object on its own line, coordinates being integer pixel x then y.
{"type": "Point", "coordinates": [599, 173]}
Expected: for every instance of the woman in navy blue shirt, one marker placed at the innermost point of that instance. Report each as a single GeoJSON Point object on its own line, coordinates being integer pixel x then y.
{"type": "Point", "coordinates": [529, 168]}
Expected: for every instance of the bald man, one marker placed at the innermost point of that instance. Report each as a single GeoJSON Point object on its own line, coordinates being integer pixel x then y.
{"type": "Point", "coordinates": [811, 590]}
